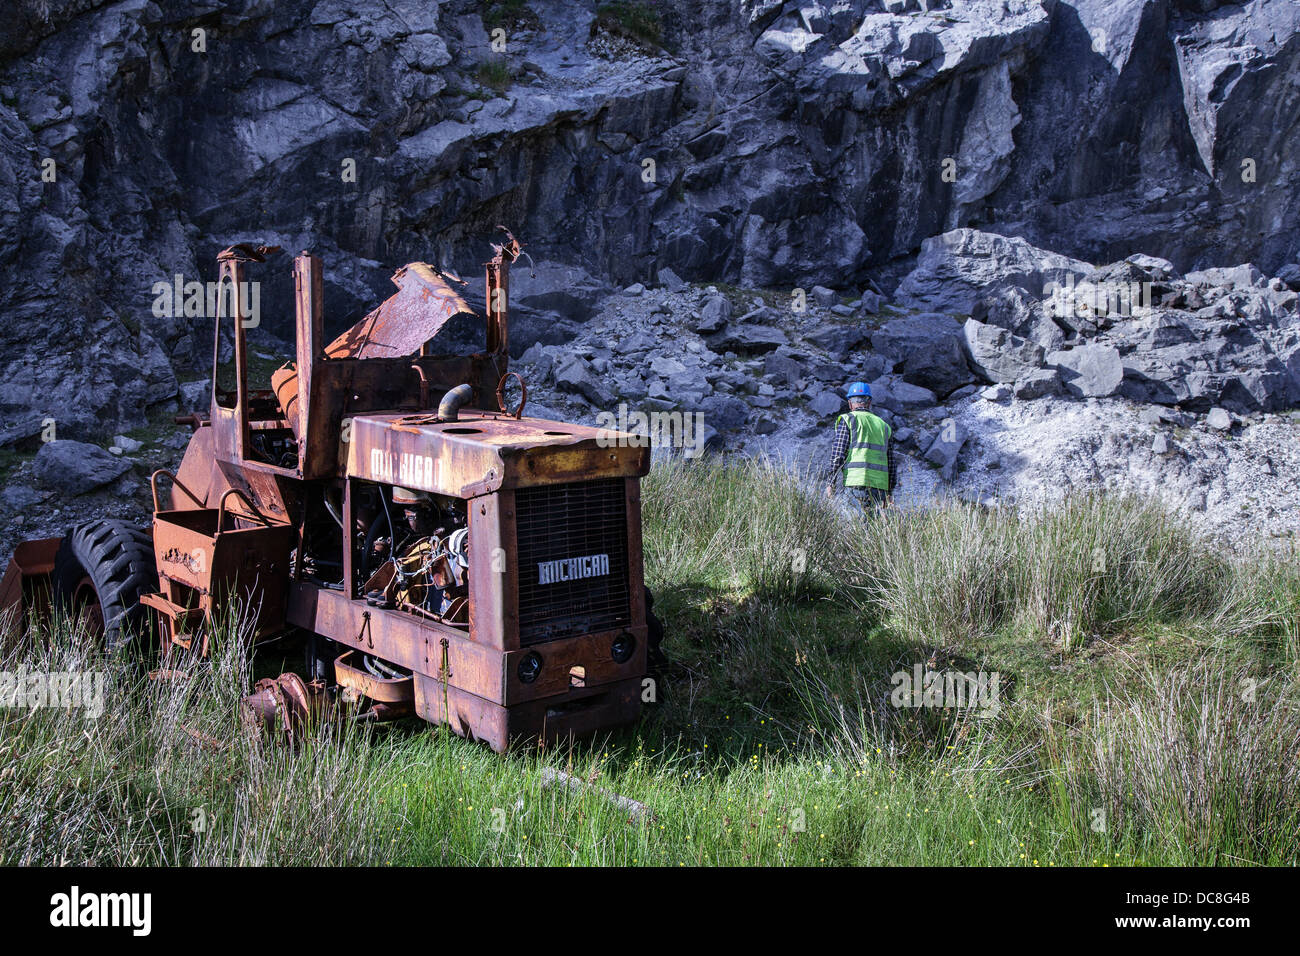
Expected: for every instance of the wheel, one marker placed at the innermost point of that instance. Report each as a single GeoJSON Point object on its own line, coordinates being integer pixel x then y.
{"type": "Point", "coordinates": [100, 571]}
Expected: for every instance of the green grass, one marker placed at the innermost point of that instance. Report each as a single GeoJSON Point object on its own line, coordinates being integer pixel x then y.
{"type": "Point", "coordinates": [494, 74]}
{"type": "Point", "coordinates": [632, 19]}
{"type": "Point", "coordinates": [1148, 712]}
{"type": "Point", "coordinates": [510, 13]}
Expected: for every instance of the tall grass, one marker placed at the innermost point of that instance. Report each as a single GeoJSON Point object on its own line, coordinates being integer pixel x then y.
{"type": "Point", "coordinates": [756, 527]}
{"type": "Point", "coordinates": [1091, 565]}
{"type": "Point", "coordinates": [164, 776]}
{"type": "Point", "coordinates": [778, 742]}
{"type": "Point", "coordinates": [1210, 754]}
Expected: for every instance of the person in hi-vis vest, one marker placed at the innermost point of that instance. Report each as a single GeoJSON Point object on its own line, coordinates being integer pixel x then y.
{"type": "Point", "coordinates": [863, 451]}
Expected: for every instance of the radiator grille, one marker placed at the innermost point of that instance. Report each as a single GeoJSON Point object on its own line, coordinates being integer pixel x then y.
{"type": "Point", "coordinates": [560, 522]}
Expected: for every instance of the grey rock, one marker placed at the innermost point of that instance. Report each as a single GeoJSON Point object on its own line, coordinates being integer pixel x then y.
{"type": "Point", "coordinates": [1218, 419]}
{"type": "Point", "coordinates": [966, 391]}
{"type": "Point", "coordinates": [574, 374]}
{"type": "Point", "coordinates": [931, 349]}
{"type": "Point", "coordinates": [1040, 384]}
{"type": "Point", "coordinates": [18, 498]}
{"type": "Point", "coordinates": [824, 297]}
{"type": "Point", "coordinates": [196, 396]}
{"type": "Point", "coordinates": [826, 404]}
{"type": "Point", "coordinates": [1090, 371]}
{"type": "Point", "coordinates": [998, 355]}
{"type": "Point", "coordinates": [959, 268]}
{"type": "Point", "coordinates": [1290, 276]}
{"type": "Point", "coordinates": [27, 427]}
{"type": "Point", "coordinates": [945, 448]}
{"type": "Point", "coordinates": [714, 316]}
{"type": "Point", "coordinates": [748, 339]}
{"type": "Point", "coordinates": [1236, 277]}
{"type": "Point", "coordinates": [75, 467]}
{"type": "Point", "coordinates": [871, 303]}
{"type": "Point", "coordinates": [782, 368]}
{"type": "Point", "coordinates": [839, 339]}
{"type": "Point", "coordinates": [1160, 444]}
{"type": "Point", "coordinates": [636, 288]}
{"type": "Point", "coordinates": [670, 280]}
{"type": "Point", "coordinates": [996, 393]}
{"type": "Point", "coordinates": [724, 412]}
{"type": "Point", "coordinates": [900, 396]}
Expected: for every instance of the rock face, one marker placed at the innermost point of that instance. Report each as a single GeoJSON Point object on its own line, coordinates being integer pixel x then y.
{"type": "Point", "coordinates": [771, 144]}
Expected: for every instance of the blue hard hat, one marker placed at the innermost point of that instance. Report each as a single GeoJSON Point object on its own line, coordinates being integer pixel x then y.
{"type": "Point", "coordinates": [859, 390]}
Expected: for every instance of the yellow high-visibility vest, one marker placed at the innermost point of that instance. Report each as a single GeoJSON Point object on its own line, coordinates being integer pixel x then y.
{"type": "Point", "coordinates": [867, 463]}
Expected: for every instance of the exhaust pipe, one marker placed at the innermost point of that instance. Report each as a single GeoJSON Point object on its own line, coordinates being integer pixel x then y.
{"type": "Point", "coordinates": [451, 404]}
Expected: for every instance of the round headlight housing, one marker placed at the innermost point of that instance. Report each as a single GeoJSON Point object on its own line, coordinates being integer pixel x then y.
{"type": "Point", "coordinates": [530, 666]}
{"type": "Point", "coordinates": [623, 647]}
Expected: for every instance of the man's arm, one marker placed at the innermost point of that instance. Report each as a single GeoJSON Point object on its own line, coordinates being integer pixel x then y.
{"type": "Point", "coordinates": [839, 451]}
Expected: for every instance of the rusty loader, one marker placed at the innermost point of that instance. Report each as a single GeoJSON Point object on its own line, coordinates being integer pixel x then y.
{"type": "Point", "coordinates": [445, 557]}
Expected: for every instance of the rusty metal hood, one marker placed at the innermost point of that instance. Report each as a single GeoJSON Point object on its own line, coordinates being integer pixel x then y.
{"type": "Point", "coordinates": [487, 451]}
{"type": "Point", "coordinates": [406, 320]}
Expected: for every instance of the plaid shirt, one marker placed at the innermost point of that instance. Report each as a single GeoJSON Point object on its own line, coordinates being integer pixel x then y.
{"type": "Point", "coordinates": [840, 451]}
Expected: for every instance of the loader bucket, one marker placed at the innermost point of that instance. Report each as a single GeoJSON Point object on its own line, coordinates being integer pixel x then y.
{"type": "Point", "coordinates": [25, 587]}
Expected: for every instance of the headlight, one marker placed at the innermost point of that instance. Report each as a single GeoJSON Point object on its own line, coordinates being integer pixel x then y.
{"type": "Point", "coordinates": [530, 665]}
{"type": "Point", "coordinates": [623, 647]}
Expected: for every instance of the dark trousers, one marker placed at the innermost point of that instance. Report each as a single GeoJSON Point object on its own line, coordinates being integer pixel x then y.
{"type": "Point", "coordinates": [867, 500]}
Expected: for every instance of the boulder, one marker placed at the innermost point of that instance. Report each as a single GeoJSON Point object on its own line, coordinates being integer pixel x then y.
{"type": "Point", "coordinates": [945, 448]}
{"type": "Point", "coordinates": [930, 347]}
{"type": "Point", "coordinates": [748, 339]}
{"type": "Point", "coordinates": [568, 291]}
{"type": "Point", "coordinates": [75, 467]}
{"type": "Point", "coordinates": [942, 367]}
{"type": "Point", "coordinates": [899, 338]}
{"type": "Point", "coordinates": [724, 411]}
{"type": "Point", "coordinates": [1090, 371]}
{"type": "Point", "coordinates": [826, 404]}
{"type": "Point", "coordinates": [998, 355]}
{"type": "Point", "coordinates": [714, 315]}
{"type": "Point", "coordinates": [1039, 384]}
{"type": "Point", "coordinates": [574, 374]}
{"type": "Point", "coordinates": [1219, 419]}
{"type": "Point", "coordinates": [824, 297]}
{"type": "Point", "coordinates": [996, 393]}
{"type": "Point", "coordinates": [18, 498]}
{"type": "Point", "coordinates": [839, 339]}
{"type": "Point", "coordinates": [671, 280]}
{"type": "Point", "coordinates": [900, 396]}
{"type": "Point", "coordinates": [957, 269]}
{"type": "Point", "coordinates": [784, 369]}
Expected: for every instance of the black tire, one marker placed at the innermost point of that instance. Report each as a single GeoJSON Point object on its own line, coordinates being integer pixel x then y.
{"type": "Point", "coordinates": [114, 559]}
